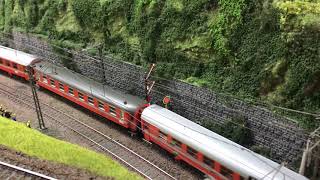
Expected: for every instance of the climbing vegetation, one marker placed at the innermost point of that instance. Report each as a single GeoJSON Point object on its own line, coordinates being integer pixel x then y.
{"type": "Point", "coordinates": [263, 50]}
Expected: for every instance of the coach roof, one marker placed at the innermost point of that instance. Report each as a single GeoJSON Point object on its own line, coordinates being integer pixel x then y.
{"type": "Point", "coordinates": [105, 93]}
{"type": "Point", "coordinates": [216, 147]}
{"type": "Point", "coordinates": [18, 57]}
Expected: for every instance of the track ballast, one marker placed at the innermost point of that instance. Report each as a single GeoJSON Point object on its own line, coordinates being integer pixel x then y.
{"type": "Point", "coordinates": [101, 141]}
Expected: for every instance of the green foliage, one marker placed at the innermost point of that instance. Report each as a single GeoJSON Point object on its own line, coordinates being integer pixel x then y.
{"type": "Point", "coordinates": [254, 49]}
{"type": "Point", "coordinates": [65, 57]}
{"type": "Point", "coordinates": [88, 13]}
{"type": "Point", "coordinates": [8, 10]}
{"type": "Point", "coordinates": [48, 11]}
{"type": "Point", "coordinates": [2, 14]}
{"type": "Point", "coordinates": [18, 16]}
{"type": "Point", "coordinates": [298, 7]}
{"type": "Point", "coordinates": [300, 25]}
{"type": "Point", "coordinates": [229, 18]}
{"type": "Point", "coordinates": [32, 13]}
{"type": "Point", "coordinates": [303, 84]}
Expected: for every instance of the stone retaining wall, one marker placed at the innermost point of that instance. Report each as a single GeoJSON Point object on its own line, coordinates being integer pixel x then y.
{"type": "Point", "coordinates": [282, 136]}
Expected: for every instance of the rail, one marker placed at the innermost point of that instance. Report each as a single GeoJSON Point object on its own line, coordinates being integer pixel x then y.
{"type": "Point", "coordinates": [26, 172]}
{"type": "Point", "coordinates": [100, 140]}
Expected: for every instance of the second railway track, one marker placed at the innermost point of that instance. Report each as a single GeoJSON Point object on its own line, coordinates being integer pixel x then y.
{"type": "Point", "coordinates": [100, 140]}
{"type": "Point", "coordinates": [9, 171]}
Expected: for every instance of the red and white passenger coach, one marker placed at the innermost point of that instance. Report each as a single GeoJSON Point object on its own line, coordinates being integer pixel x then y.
{"type": "Point", "coordinates": [207, 151]}
{"type": "Point", "coordinates": [203, 149]}
{"type": "Point", "coordinates": [16, 62]}
{"type": "Point", "coordinates": [121, 108]}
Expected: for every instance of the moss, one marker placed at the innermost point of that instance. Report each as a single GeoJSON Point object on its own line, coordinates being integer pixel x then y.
{"type": "Point", "coordinates": [67, 21]}
{"type": "Point", "coordinates": [18, 15]}
{"type": "Point", "coordinates": [254, 49]}
{"type": "Point", "coordinates": [2, 14]}
{"type": "Point", "coordinates": [9, 5]}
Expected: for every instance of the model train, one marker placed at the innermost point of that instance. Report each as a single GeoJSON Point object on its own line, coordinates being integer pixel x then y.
{"type": "Point", "coordinates": [201, 148]}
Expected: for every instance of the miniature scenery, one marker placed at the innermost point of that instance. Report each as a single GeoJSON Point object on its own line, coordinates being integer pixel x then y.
{"type": "Point", "coordinates": [171, 89]}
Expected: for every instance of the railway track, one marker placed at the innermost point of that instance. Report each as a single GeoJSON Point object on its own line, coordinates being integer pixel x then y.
{"type": "Point", "coordinates": [128, 157]}
{"type": "Point", "coordinates": [9, 171]}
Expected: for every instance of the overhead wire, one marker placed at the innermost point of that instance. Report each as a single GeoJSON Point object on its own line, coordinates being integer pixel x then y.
{"type": "Point", "coordinates": [186, 103]}
{"type": "Point", "coordinates": [230, 143]}
{"type": "Point", "coordinates": [130, 77]}
{"type": "Point", "coordinates": [240, 125]}
{"type": "Point", "coordinates": [157, 77]}
{"type": "Point", "coordinates": [114, 66]}
{"type": "Point", "coordinates": [209, 112]}
{"type": "Point", "coordinates": [228, 120]}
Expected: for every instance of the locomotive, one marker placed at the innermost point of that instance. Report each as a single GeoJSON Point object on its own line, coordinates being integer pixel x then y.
{"type": "Point", "coordinates": [212, 154]}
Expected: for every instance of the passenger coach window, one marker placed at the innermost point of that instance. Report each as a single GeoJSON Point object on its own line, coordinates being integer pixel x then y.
{"type": "Point", "coordinates": [90, 100]}
{"type": "Point", "coordinates": [162, 136]}
{"type": "Point", "coordinates": [112, 110]}
{"type": "Point", "coordinates": [176, 143]}
{"type": "Point", "coordinates": [226, 172]}
{"type": "Point", "coordinates": [207, 161]}
{"type": "Point", "coordinates": [45, 80]}
{"type": "Point", "coordinates": [71, 91]}
{"type": "Point", "coordinates": [52, 82]}
{"type": "Point", "coordinates": [80, 96]}
{"type": "Point", "coordinates": [100, 105]}
{"type": "Point", "coordinates": [192, 152]}
{"type": "Point", "coordinates": [61, 87]}
{"type": "Point", "coordinates": [251, 178]}
{"type": "Point", "coordinates": [14, 65]}
{"type": "Point", "coordinates": [146, 126]}
{"type": "Point", "coordinates": [122, 115]}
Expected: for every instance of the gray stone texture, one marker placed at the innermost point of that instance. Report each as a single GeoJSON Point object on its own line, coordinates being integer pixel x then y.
{"type": "Point", "coordinates": [285, 138]}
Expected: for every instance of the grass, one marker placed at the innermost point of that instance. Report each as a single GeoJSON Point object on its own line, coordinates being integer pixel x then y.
{"type": "Point", "coordinates": [31, 142]}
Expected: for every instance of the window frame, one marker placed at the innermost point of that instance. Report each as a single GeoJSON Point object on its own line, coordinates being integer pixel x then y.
{"type": "Point", "coordinates": [44, 79]}
{"type": "Point", "coordinates": [207, 161]}
{"type": "Point", "coordinates": [176, 143]}
{"type": "Point", "coordinates": [81, 96]}
{"type": "Point", "coordinates": [192, 152]}
{"type": "Point", "coordinates": [61, 86]}
{"type": "Point", "coordinates": [71, 91]}
{"type": "Point", "coordinates": [226, 172]}
{"type": "Point", "coordinates": [52, 82]}
{"type": "Point", "coordinates": [101, 105]}
{"type": "Point", "coordinates": [5, 62]}
{"type": "Point", "coordinates": [121, 114]}
{"type": "Point", "coordinates": [162, 136]}
{"type": "Point", "coordinates": [113, 110]}
{"type": "Point", "coordinates": [14, 65]}
{"type": "Point", "coordinates": [145, 126]}
{"type": "Point", "coordinates": [90, 100]}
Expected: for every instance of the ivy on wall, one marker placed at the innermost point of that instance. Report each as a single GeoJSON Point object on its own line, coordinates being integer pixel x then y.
{"type": "Point", "coordinates": [229, 18]}
{"type": "Point", "coordinates": [255, 49]}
